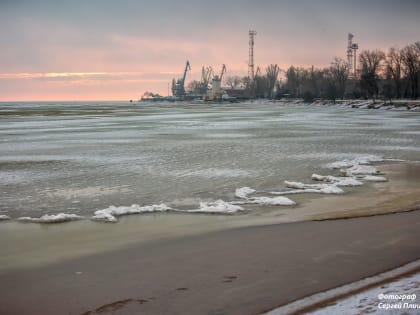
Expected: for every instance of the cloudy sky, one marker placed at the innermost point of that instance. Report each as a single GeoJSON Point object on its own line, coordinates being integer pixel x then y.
{"type": "Point", "coordinates": [116, 50]}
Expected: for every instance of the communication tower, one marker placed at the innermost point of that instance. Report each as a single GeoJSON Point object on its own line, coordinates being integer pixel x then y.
{"type": "Point", "coordinates": [251, 55]}
{"type": "Point", "coordinates": [352, 55]}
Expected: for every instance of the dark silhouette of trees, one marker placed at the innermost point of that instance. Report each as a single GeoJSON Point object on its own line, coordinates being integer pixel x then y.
{"type": "Point", "coordinates": [233, 81]}
{"type": "Point", "coordinates": [339, 72]}
{"type": "Point", "coordinates": [392, 75]}
{"type": "Point", "coordinates": [411, 60]}
{"type": "Point", "coordinates": [370, 64]}
{"type": "Point", "coordinates": [293, 83]}
{"type": "Point", "coordinates": [272, 74]}
{"type": "Point", "coordinates": [261, 86]}
{"type": "Point", "coordinates": [395, 71]}
{"type": "Point", "coordinates": [331, 85]}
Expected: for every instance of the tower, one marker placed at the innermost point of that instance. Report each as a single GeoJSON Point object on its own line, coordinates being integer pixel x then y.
{"type": "Point", "coordinates": [352, 55]}
{"type": "Point", "coordinates": [350, 51]}
{"type": "Point", "coordinates": [251, 55]}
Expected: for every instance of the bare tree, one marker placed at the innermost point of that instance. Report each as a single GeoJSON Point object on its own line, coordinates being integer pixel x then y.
{"type": "Point", "coordinates": [339, 71]}
{"type": "Point", "coordinates": [394, 62]}
{"type": "Point", "coordinates": [331, 90]}
{"type": "Point", "coordinates": [411, 60]}
{"type": "Point", "coordinates": [261, 86]}
{"type": "Point", "coordinates": [272, 73]}
{"type": "Point", "coordinates": [370, 64]}
{"type": "Point", "coordinates": [294, 78]}
{"type": "Point", "coordinates": [233, 81]}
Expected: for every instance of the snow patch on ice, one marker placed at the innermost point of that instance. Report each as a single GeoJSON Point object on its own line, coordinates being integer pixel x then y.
{"type": "Point", "coordinates": [244, 192]}
{"type": "Point", "coordinates": [275, 201]}
{"type": "Point", "coordinates": [219, 206]}
{"type": "Point", "coordinates": [371, 178]}
{"type": "Point", "coordinates": [4, 217]}
{"type": "Point", "coordinates": [362, 170]}
{"type": "Point", "coordinates": [52, 218]}
{"type": "Point", "coordinates": [315, 188]}
{"type": "Point", "coordinates": [362, 160]}
{"type": "Point", "coordinates": [338, 181]}
{"type": "Point", "coordinates": [111, 213]}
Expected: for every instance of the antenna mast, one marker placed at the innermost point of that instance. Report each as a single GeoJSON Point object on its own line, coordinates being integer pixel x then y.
{"type": "Point", "coordinates": [251, 55]}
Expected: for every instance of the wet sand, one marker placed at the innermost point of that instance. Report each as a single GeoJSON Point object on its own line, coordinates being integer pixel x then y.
{"type": "Point", "coordinates": [227, 268]}
{"type": "Point", "coordinates": [239, 271]}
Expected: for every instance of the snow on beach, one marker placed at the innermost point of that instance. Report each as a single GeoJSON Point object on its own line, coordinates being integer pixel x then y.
{"type": "Point", "coordinates": [373, 301]}
{"type": "Point", "coordinates": [395, 296]}
{"type": "Point", "coordinates": [396, 105]}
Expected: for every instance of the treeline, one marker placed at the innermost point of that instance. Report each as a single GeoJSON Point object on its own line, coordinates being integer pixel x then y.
{"type": "Point", "coordinates": [390, 75]}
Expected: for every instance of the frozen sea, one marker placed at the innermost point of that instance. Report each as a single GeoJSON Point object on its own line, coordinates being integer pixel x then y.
{"type": "Point", "coordinates": [104, 159]}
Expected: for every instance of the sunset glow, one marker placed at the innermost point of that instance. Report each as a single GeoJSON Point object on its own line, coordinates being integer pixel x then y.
{"type": "Point", "coordinates": [106, 50]}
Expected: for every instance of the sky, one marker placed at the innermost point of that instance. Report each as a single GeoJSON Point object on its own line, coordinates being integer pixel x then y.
{"type": "Point", "coordinates": [54, 50]}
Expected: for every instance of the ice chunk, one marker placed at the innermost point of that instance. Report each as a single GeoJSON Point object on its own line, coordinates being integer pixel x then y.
{"type": "Point", "coordinates": [105, 217]}
{"type": "Point", "coordinates": [338, 181]}
{"type": "Point", "coordinates": [331, 189]}
{"type": "Point", "coordinates": [296, 185]}
{"type": "Point", "coordinates": [362, 170]}
{"type": "Point", "coordinates": [315, 188]}
{"type": "Point", "coordinates": [109, 214]}
{"type": "Point", "coordinates": [362, 160]}
{"type": "Point", "coordinates": [348, 181]}
{"type": "Point", "coordinates": [276, 201]}
{"type": "Point", "coordinates": [322, 178]}
{"type": "Point", "coordinates": [52, 218]}
{"type": "Point", "coordinates": [244, 192]}
{"type": "Point", "coordinates": [4, 217]}
{"type": "Point", "coordinates": [218, 206]}
{"type": "Point", "coordinates": [371, 178]}
{"type": "Point", "coordinates": [340, 164]}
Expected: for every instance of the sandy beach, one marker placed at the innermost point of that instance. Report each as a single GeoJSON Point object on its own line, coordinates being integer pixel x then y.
{"type": "Point", "coordinates": [231, 266]}
{"type": "Point", "coordinates": [239, 271]}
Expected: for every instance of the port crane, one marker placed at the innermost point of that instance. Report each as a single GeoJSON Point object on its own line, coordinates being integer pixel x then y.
{"type": "Point", "coordinates": [178, 86]}
{"type": "Point", "coordinates": [206, 73]}
{"type": "Point", "coordinates": [222, 72]}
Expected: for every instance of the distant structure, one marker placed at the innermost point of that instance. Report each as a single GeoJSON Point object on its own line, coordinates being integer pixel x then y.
{"type": "Point", "coordinates": [251, 55]}
{"type": "Point", "coordinates": [216, 91]}
{"type": "Point", "coordinates": [178, 88]}
{"type": "Point", "coordinates": [352, 55]}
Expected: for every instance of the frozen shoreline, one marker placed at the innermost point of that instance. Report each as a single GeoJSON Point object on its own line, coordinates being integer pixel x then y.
{"type": "Point", "coordinates": [399, 105]}
{"type": "Point", "coordinates": [399, 194]}
{"type": "Point", "coordinates": [347, 173]}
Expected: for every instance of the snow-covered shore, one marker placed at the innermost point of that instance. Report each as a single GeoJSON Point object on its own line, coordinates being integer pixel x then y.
{"type": "Point", "coordinates": [401, 105]}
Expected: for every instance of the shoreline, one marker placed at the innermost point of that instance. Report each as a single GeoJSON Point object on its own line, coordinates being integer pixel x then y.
{"type": "Point", "coordinates": [32, 245]}
{"type": "Point", "coordinates": [238, 271]}
{"type": "Point", "coordinates": [212, 264]}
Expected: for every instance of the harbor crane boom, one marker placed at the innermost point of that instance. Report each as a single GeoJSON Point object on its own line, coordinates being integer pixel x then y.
{"type": "Point", "coordinates": [187, 67]}
{"type": "Point", "coordinates": [222, 72]}
{"type": "Point", "coordinates": [178, 88]}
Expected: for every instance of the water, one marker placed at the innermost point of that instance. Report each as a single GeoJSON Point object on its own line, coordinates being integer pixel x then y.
{"type": "Point", "coordinates": [82, 157]}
